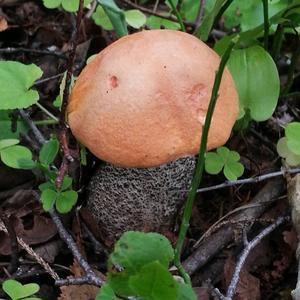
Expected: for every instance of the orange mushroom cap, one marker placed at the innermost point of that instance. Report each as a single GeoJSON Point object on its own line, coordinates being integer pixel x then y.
{"type": "Point", "coordinates": [142, 101]}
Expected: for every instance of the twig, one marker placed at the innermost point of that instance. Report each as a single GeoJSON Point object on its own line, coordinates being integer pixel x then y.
{"type": "Point", "coordinates": [41, 81]}
{"type": "Point", "coordinates": [249, 180]}
{"type": "Point", "coordinates": [31, 252]}
{"type": "Point", "coordinates": [214, 243]}
{"type": "Point", "coordinates": [199, 14]}
{"type": "Point", "coordinates": [46, 111]}
{"type": "Point", "coordinates": [245, 253]}
{"type": "Point", "coordinates": [153, 13]}
{"type": "Point", "coordinates": [67, 238]}
{"type": "Point", "coordinates": [64, 131]}
{"type": "Point", "coordinates": [200, 164]}
{"type": "Point", "coordinates": [37, 134]}
{"type": "Point", "coordinates": [10, 50]}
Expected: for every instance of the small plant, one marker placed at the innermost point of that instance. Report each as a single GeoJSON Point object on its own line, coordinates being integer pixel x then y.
{"type": "Point", "coordinates": [15, 156]}
{"type": "Point", "coordinates": [18, 291]}
{"type": "Point", "coordinates": [68, 5]}
{"type": "Point", "coordinates": [138, 267]}
{"type": "Point", "coordinates": [226, 160]}
{"type": "Point", "coordinates": [288, 147]}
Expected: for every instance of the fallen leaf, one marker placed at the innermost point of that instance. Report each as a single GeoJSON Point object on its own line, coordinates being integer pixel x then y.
{"type": "Point", "coordinates": [3, 24]}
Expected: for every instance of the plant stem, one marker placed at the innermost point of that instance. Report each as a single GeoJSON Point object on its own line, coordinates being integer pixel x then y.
{"type": "Point", "coordinates": [46, 122]}
{"type": "Point", "coordinates": [266, 24]}
{"type": "Point", "coordinates": [221, 12]}
{"type": "Point", "coordinates": [177, 13]}
{"type": "Point", "coordinates": [200, 164]}
{"type": "Point", "coordinates": [277, 42]}
{"type": "Point", "coordinates": [46, 111]}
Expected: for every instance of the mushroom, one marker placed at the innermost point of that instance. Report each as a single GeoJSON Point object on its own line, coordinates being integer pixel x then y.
{"type": "Point", "coordinates": [140, 105]}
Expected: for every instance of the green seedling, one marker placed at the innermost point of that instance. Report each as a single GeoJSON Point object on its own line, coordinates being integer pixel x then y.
{"type": "Point", "coordinates": [288, 147]}
{"type": "Point", "coordinates": [68, 5]}
{"type": "Point", "coordinates": [226, 160]}
{"type": "Point", "coordinates": [14, 155]}
{"type": "Point", "coordinates": [15, 82]}
{"type": "Point", "coordinates": [18, 291]}
{"type": "Point", "coordinates": [138, 267]}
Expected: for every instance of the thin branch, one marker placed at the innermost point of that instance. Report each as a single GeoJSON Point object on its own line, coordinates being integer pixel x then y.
{"type": "Point", "coordinates": [178, 15]}
{"type": "Point", "coordinates": [41, 81]}
{"type": "Point", "coordinates": [37, 134]}
{"type": "Point", "coordinates": [245, 253]}
{"type": "Point", "coordinates": [67, 238]}
{"type": "Point", "coordinates": [249, 180]}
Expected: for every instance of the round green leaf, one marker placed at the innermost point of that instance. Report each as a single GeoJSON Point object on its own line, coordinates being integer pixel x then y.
{"type": "Point", "coordinates": [213, 163]}
{"type": "Point", "coordinates": [224, 153]}
{"type": "Point", "coordinates": [15, 156]}
{"type": "Point", "coordinates": [135, 18]}
{"type": "Point", "coordinates": [52, 3]}
{"type": "Point", "coordinates": [48, 198]}
{"type": "Point", "coordinates": [106, 293]}
{"type": "Point", "coordinates": [154, 282]}
{"type": "Point", "coordinates": [233, 170]}
{"type": "Point", "coordinates": [65, 201]}
{"type": "Point", "coordinates": [283, 150]}
{"type": "Point", "coordinates": [257, 81]}
{"type": "Point", "coordinates": [49, 151]}
{"type": "Point", "coordinates": [101, 18]}
{"type": "Point", "coordinates": [16, 290]}
{"type": "Point", "coordinates": [154, 22]}
{"type": "Point", "coordinates": [15, 82]}
{"type": "Point", "coordinates": [292, 133]}
{"type": "Point", "coordinates": [7, 143]}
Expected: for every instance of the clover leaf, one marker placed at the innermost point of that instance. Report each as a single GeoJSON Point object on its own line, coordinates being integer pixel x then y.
{"type": "Point", "coordinates": [68, 5]}
{"type": "Point", "coordinates": [15, 156]}
{"type": "Point", "coordinates": [226, 160]}
{"type": "Point", "coordinates": [15, 82]}
{"type": "Point", "coordinates": [16, 290]}
{"type": "Point", "coordinates": [284, 151]}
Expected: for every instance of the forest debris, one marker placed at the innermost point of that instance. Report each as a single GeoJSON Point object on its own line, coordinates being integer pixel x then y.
{"type": "Point", "coordinates": [3, 24]}
{"type": "Point", "coordinates": [248, 287]}
{"type": "Point", "coordinates": [214, 243]}
{"type": "Point", "coordinates": [293, 186]}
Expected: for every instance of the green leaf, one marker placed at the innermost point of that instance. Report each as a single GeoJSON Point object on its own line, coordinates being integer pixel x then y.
{"type": "Point", "coordinates": [46, 185]}
{"type": "Point", "coordinates": [292, 133]}
{"type": "Point", "coordinates": [154, 282]}
{"type": "Point", "coordinates": [208, 20]}
{"type": "Point", "coordinates": [48, 152]}
{"type": "Point", "coordinates": [135, 18]}
{"type": "Point", "coordinates": [65, 201]}
{"type": "Point", "coordinates": [132, 251]}
{"type": "Point", "coordinates": [16, 290]}
{"type": "Point", "coordinates": [101, 18]}
{"type": "Point", "coordinates": [15, 82]}
{"type": "Point", "coordinates": [233, 170]}
{"type": "Point", "coordinates": [257, 81]}
{"type": "Point", "coordinates": [283, 150]}
{"type": "Point", "coordinates": [52, 3]}
{"type": "Point", "coordinates": [48, 198]}
{"type": "Point", "coordinates": [106, 293]}
{"type": "Point", "coordinates": [7, 143]}
{"type": "Point", "coordinates": [185, 292]}
{"type": "Point", "coordinates": [155, 22]}
{"type": "Point", "coordinates": [116, 16]}
{"type": "Point", "coordinates": [213, 163]}
{"type": "Point", "coordinates": [15, 156]}
{"type": "Point", "coordinates": [68, 5]}
{"type": "Point", "coordinates": [67, 182]}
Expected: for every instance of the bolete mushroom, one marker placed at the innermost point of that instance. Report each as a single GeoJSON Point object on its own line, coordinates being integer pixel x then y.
{"type": "Point", "coordinates": [140, 106]}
